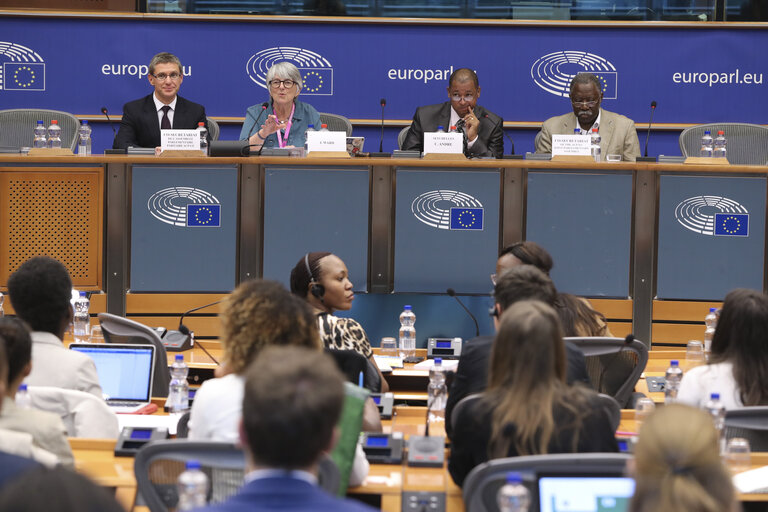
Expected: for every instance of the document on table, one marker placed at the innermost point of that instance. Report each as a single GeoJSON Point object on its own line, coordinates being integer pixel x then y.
{"type": "Point", "coordinates": [752, 481]}
{"type": "Point", "coordinates": [386, 363]}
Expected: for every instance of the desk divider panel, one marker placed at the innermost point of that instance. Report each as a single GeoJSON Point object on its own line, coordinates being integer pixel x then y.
{"type": "Point", "coordinates": [711, 236]}
{"type": "Point", "coordinates": [316, 209]}
{"type": "Point", "coordinates": [584, 220]}
{"type": "Point", "coordinates": [183, 228]}
{"type": "Point", "coordinates": [446, 229]}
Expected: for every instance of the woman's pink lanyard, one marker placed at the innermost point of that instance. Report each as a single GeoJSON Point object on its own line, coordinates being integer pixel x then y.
{"type": "Point", "coordinates": [280, 141]}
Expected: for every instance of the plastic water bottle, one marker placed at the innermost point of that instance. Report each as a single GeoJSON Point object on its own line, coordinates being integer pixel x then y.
{"type": "Point", "coordinates": [706, 144]}
{"type": "Point", "coordinates": [324, 128]}
{"type": "Point", "coordinates": [440, 129]}
{"type": "Point", "coordinates": [81, 323]}
{"type": "Point", "coordinates": [310, 128]}
{"type": "Point", "coordinates": [84, 142]}
{"type": "Point", "coordinates": [2, 299]}
{"type": "Point", "coordinates": [711, 322]}
{"type": "Point", "coordinates": [192, 487]}
{"type": "Point", "coordinates": [594, 144]}
{"type": "Point", "coordinates": [716, 409]}
{"type": "Point", "coordinates": [22, 399]}
{"type": "Point", "coordinates": [54, 135]}
{"type": "Point", "coordinates": [720, 142]}
{"type": "Point", "coordinates": [203, 132]}
{"type": "Point", "coordinates": [407, 333]}
{"type": "Point", "coordinates": [577, 131]}
{"type": "Point", "coordinates": [673, 377]}
{"type": "Point", "coordinates": [513, 496]}
{"type": "Point", "coordinates": [437, 393]}
{"type": "Point", "coordinates": [40, 133]}
{"type": "Point", "coordinates": [178, 394]}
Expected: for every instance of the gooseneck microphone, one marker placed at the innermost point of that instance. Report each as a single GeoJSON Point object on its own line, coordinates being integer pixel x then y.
{"type": "Point", "coordinates": [106, 113]}
{"type": "Point", "coordinates": [511, 142]}
{"type": "Point", "coordinates": [256, 123]}
{"type": "Point", "coordinates": [383, 102]}
{"type": "Point", "coordinates": [182, 336]}
{"type": "Point", "coordinates": [648, 135]}
{"type": "Point", "coordinates": [452, 293]}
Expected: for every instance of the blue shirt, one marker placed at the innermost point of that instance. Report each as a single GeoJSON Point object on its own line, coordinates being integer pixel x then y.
{"type": "Point", "coordinates": [304, 115]}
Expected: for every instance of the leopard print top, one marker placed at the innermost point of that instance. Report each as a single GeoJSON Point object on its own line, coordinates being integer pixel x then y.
{"type": "Point", "coordinates": [343, 334]}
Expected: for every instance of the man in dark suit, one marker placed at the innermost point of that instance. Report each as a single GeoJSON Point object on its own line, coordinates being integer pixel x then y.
{"type": "Point", "coordinates": [521, 282]}
{"type": "Point", "coordinates": [164, 109]}
{"type": "Point", "coordinates": [483, 128]}
{"type": "Point", "coordinates": [292, 401]}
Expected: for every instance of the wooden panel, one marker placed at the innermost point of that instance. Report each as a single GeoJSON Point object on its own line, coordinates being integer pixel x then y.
{"type": "Point", "coordinates": [620, 329]}
{"type": "Point", "coordinates": [202, 326]}
{"type": "Point", "coordinates": [682, 311]}
{"type": "Point", "coordinates": [678, 334]}
{"type": "Point", "coordinates": [171, 303]}
{"type": "Point", "coordinates": [613, 308]}
{"type": "Point", "coordinates": [57, 212]}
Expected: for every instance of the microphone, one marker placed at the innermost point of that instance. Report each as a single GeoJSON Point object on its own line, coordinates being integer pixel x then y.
{"type": "Point", "coordinates": [452, 293]}
{"type": "Point", "coordinates": [383, 102]}
{"type": "Point", "coordinates": [182, 338]}
{"type": "Point", "coordinates": [256, 123]}
{"type": "Point", "coordinates": [648, 135]}
{"type": "Point", "coordinates": [106, 113]}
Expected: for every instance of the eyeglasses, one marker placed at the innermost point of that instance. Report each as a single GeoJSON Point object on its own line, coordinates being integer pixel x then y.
{"type": "Point", "coordinates": [466, 97]}
{"type": "Point", "coordinates": [163, 76]}
{"type": "Point", "coordinates": [275, 84]}
{"type": "Point", "coordinates": [588, 104]}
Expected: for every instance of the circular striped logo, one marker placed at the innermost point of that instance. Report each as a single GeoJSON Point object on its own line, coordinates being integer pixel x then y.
{"type": "Point", "coordinates": [434, 208]}
{"type": "Point", "coordinates": [698, 213]}
{"type": "Point", "coordinates": [169, 205]}
{"type": "Point", "coordinates": [305, 60]}
{"type": "Point", "coordinates": [555, 71]}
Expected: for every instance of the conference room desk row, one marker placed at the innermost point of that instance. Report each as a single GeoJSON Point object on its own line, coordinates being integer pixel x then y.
{"type": "Point", "coordinates": [132, 227]}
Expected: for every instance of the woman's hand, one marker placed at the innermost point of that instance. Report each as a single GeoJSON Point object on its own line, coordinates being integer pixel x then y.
{"type": "Point", "coordinates": [272, 125]}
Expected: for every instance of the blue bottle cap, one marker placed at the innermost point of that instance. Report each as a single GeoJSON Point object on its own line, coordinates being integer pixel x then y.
{"type": "Point", "coordinates": [407, 307]}
{"type": "Point", "coordinates": [85, 121]}
{"type": "Point", "coordinates": [438, 361]}
{"type": "Point", "coordinates": [82, 294]}
{"type": "Point", "coordinates": [179, 357]}
{"type": "Point", "coordinates": [513, 477]}
{"type": "Point", "coordinates": [193, 464]}
{"type": "Point", "coordinates": [674, 362]}
{"type": "Point", "coordinates": [714, 396]}
{"type": "Point", "coordinates": [22, 387]}
{"type": "Point", "coordinates": [707, 132]}
{"type": "Point", "coordinates": [713, 310]}
{"type": "Point", "coordinates": [440, 128]}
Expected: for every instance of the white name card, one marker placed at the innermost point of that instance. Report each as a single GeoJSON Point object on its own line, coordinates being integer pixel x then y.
{"type": "Point", "coordinates": [326, 141]}
{"type": "Point", "coordinates": [180, 139]}
{"type": "Point", "coordinates": [438, 142]}
{"type": "Point", "coordinates": [570, 145]}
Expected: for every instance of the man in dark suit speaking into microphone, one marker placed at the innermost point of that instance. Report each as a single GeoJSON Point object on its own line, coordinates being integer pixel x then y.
{"type": "Point", "coordinates": [164, 109]}
{"type": "Point", "coordinates": [483, 129]}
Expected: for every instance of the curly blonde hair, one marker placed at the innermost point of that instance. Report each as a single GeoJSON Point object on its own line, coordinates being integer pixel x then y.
{"type": "Point", "coordinates": [260, 313]}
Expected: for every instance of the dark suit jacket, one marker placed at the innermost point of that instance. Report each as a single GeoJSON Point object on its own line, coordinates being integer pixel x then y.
{"type": "Point", "coordinates": [285, 494]}
{"type": "Point", "coordinates": [13, 466]}
{"type": "Point", "coordinates": [472, 373]}
{"type": "Point", "coordinates": [140, 126]}
{"type": "Point", "coordinates": [490, 135]}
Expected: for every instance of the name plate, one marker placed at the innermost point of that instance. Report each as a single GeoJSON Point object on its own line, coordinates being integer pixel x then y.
{"type": "Point", "coordinates": [180, 139]}
{"type": "Point", "coordinates": [571, 145]}
{"type": "Point", "coordinates": [326, 141]}
{"type": "Point", "coordinates": [450, 143]}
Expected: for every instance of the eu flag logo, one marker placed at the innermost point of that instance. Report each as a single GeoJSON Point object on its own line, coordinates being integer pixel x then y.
{"type": "Point", "coordinates": [317, 81]}
{"type": "Point", "coordinates": [204, 215]}
{"type": "Point", "coordinates": [24, 76]}
{"type": "Point", "coordinates": [610, 81]}
{"type": "Point", "coordinates": [731, 224]}
{"type": "Point", "coordinates": [467, 218]}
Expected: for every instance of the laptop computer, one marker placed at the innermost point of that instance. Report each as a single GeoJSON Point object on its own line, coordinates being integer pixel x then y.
{"type": "Point", "coordinates": [125, 373]}
{"type": "Point", "coordinates": [584, 493]}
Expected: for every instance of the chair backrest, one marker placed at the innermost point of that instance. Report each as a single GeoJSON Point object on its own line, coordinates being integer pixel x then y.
{"type": "Point", "coordinates": [213, 128]}
{"type": "Point", "coordinates": [460, 405]}
{"type": "Point", "coordinates": [158, 465]}
{"type": "Point", "coordinates": [747, 143]}
{"type": "Point", "coordinates": [484, 481]}
{"type": "Point", "coordinates": [612, 409]}
{"type": "Point", "coordinates": [117, 329]}
{"type": "Point", "coordinates": [17, 126]}
{"type": "Point", "coordinates": [751, 423]}
{"type": "Point", "coordinates": [614, 366]}
{"type": "Point", "coordinates": [83, 414]}
{"type": "Point", "coordinates": [336, 123]}
{"type": "Point", "coordinates": [401, 136]}
{"type": "Point", "coordinates": [351, 363]}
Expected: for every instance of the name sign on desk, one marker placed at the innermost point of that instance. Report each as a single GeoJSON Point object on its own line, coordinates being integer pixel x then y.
{"type": "Point", "coordinates": [326, 141]}
{"type": "Point", "coordinates": [438, 142]}
{"type": "Point", "coordinates": [570, 145]}
{"type": "Point", "coordinates": [180, 139]}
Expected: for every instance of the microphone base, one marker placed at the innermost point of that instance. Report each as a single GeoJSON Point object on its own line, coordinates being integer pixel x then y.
{"type": "Point", "coordinates": [176, 341]}
{"type": "Point", "coordinates": [649, 159]}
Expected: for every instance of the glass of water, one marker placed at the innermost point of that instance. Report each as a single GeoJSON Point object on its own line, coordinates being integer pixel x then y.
{"type": "Point", "coordinates": [694, 353]}
{"type": "Point", "coordinates": [644, 407]}
{"type": "Point", "coordinates": [738, 454]}
{"type": "Point", "coordinates": [388, 347]}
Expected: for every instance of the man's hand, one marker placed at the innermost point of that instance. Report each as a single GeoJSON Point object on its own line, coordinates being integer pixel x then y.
{"type": "Point", "coordinates": [473, 125]}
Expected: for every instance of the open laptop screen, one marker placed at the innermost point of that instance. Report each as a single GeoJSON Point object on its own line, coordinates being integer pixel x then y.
{"type": "Point", "coordinates": [585, 493]}
{"type": "Point", "coordinates": [125, 371]}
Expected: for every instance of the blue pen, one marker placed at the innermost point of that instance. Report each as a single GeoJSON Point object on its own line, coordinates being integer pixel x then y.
{"type": "Point", "coordinates": [360, 380]}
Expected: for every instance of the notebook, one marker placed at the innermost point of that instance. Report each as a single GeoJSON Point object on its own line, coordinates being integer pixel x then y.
{"type": "Point", "coordinates": [125, 373]}
{"type": "Point", "coordinates": [585, 493]}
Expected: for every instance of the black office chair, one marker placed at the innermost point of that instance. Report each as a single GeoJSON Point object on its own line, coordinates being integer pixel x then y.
{"type": "Point", "coordinates": [351, 363]}
{"type": "Point", "coordinates": [117, 329]}
{"type": "Point", "coordinates": [751, 423]}
{"type": "Point", "coordinates": [336, 123]}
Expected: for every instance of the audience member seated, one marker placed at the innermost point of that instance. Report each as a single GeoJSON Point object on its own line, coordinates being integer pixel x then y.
{"type": "Point", "coordinates": [40, 291]}
{"type": "Point", "coordinates": [11, 466]}
{"type": "Point", "coordinates": [56, 490]}
{"type": "Point", "coordinates": [47, 429]}
{"type": "Point", "coordinates": [738, 363]}
{"type": "Point", "coordinates": [528, 409]}
{"type": "Point", "coordinates": [323, 280]}
{"type": "Point", "coordinates": [522, 282]}
{"type": "Point", "coordinates": [677, 464]}
{"type": "Point", "coordinates": [255, 315]}
{"type": "Point", "coordinates": [292, 401]}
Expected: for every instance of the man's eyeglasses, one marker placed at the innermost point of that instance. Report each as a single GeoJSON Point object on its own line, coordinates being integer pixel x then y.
{"type": "Point", "coordinates": [163, 76]}
{"type": "Point", "coordinates": [588, 104]}
{"type": "Point", "coordinates": [466, 97]}
{"type": "Point", "coordinates": [275, 84]}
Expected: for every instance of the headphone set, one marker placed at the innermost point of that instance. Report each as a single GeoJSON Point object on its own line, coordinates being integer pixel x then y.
{"type": "Point", "coordinates": [316, 288]}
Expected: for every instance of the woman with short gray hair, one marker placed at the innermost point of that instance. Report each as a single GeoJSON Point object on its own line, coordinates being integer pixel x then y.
{"type": "Point", "coordinates": [283, 121]}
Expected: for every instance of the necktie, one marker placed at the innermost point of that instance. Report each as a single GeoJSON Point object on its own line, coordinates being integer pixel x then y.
{"type": "Point", "coordinates": [165, 123]}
